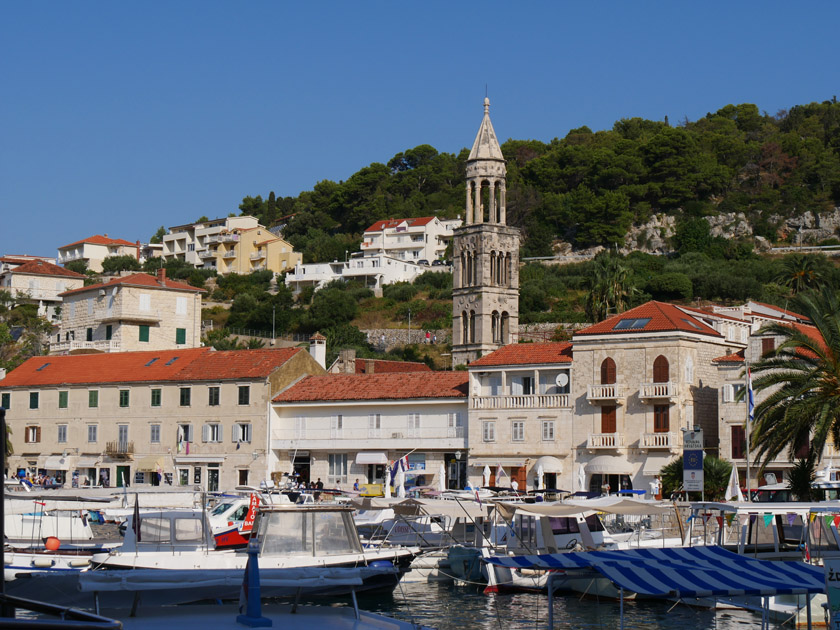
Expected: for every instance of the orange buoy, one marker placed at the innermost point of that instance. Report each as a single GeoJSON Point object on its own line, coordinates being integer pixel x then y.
{"type": "Point", "coordinates": [52, 543]}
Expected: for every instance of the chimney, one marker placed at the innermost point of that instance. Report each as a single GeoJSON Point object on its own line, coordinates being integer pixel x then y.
{"type": "Point", "coordinates": [369, 363]}
{"type": "Point", "coordinates": [161, 276]}
{"type": "Point", "coordinates": [348, 361]}
{"type": "Point", "coordinates": [318, 349]}
{"type": "Point", "coordinates": [138, 250]}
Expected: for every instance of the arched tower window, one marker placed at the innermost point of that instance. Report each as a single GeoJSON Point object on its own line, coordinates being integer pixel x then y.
{"type": "Point", "coordinates": [496, 329]}
{"type": "Point", "coordinates": [505, 327]}
{"type": "Point", "coordinates": [660, 370]}
{"type": "Point", "coordinates": [465, 327]}
{"type": "Point", "coordinates": [608, 372]}
{"type": "Point", "coordinates": [472, 326]}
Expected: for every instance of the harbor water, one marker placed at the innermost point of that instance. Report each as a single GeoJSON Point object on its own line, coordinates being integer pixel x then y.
{"type": "Point", "coordinates": [451, 607]}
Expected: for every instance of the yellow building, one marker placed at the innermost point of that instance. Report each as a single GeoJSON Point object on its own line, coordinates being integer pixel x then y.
{"type": "Point", "coordinates": [253, 249]}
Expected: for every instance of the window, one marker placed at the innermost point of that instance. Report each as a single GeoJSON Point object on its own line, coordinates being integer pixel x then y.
{"type": "Point", "coordinates": [185, 396]}
{"type": "Point", "coordinates": [185, 433]}
{"type": "Point", "coordinates": [413, 424]}
{"type": "Point", "coordinates": [62, 400]}
{"type": "Point", "coordinates": [183, 476]}
{"type": "Point", "coordinates": [374, 424]}
{"type": "Point", "coordinates": [338, 468]}
{"type": "Point", "coordinates": [768, 344]}
{"type": "Point", "coordinates": [242, 432]}
{"type": "Point", "coordinates": [62, 433]}
{"type": "Point", "coordinates": [181, 306]}
{"type": "Point", "coordinates": [608, 423]}
{"type": "Point", "coordinates": [139, 477]}
{"type": "Point", "coordinates": [336, 426]}
{"type": "Point", "coordinates": [33, 400]}
{"type": "Point", "coordinates": [109, 332]}
{"type": "Point", "coordinates": [300, 426]}
{"type": "Point", "coordinates": [6, 400]}
{"type": "Point", "coordinates": [180, 336]}
{"type": "Point", "coordinates": [661, 422]}
{"type": "Point", "coordinates": [154, 433]}
{"type": "Point", "coordinates": [522, 386]}
{"type": "Point", "coordinates": [155, 398]}
{"type": "Point", "coordinates": [488, 430]}
{"type": "Point", "coordinates": [455, 424]}
{"type": "Point", "coordinates": [197, 474]}
{"type": "Point", "coordinates": [517, 431]}
{"type": "Point", "coordinates": [145, 302]}
{"type": "Point", "coordinates": [124, 398]}
{"type": "Point", "coordinates": [213, 396]}
{"type": "Point", "coordinates": [91, 433]}
{"type": "Point", "coordinates": [122, 433]}
{"type": "Point", "coordinates": [93, 398]}
{"type": "Point", "coordinates": [739, 442]}
{"type": "Point", "coordinates": [548, 430]}
{"type": "Point", "coordinates": [32, 435]}
{"type": "Point", "coordinates": [660, 370]}
{"type": "Point", "coordinates": [144, 332]}
{"type": "Point", "coordinates": [608, 372]}
{"type": "Point", "coordinates": [89, 334]}
{"type": "Point", "coordinates": [211, 432]}
{"type": "Point", "coordinates": [244, 394]}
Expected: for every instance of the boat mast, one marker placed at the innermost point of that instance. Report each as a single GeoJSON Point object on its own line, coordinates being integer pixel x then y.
{"type": "Point", "coordinates": [749, 398]}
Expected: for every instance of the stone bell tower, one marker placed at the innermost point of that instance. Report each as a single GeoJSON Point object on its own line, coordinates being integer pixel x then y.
{"type": "Point", "coordinates": [485, 256]}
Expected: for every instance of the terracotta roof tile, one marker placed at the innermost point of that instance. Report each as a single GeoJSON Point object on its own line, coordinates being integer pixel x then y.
{"type": "Point", "coordinates": [138, 280]}
{"type": "Point", "coordinates": [381, 366]}
{"type": "Point", "coordinates": [392, 223]}
{"type": "Point", "coordinates": [661, 315]}
{"type": "Point", "coordinates": [186, 365]}
{"type": "Point", "coordinates": [44, 268]}
{"type": "Point", "coordinates": [403, 386]}
{"type": "Point", "coordinates": [98, 239]}
{"type": "Point", "coordinates": [737, 357]}
{"type": "Point", "coordinates": [528, 354]}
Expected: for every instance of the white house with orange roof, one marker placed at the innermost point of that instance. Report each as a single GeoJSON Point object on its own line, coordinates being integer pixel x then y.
{"type": "Point", "coordinates": [189, 417]}
{"type": "Point", "coordinates": [130, 313]}
{"type": "Point", "coordinates": [344, 427]}
{"type": "Point", "coordinates": [94, 249]}
{"type": "Point", "coordinates": [421, 238]}
{"type": "Point", "coordinates": [40, 282]}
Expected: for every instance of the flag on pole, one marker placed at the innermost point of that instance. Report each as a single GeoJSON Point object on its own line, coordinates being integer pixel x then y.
{"type": "Point", "coordinates": [733, 489]}
{"type": "Point", "coordinates": [135, 521]}
{"type": "Point", "coordinates": [500, 472]}
{"type": "Point", "coordinates": [750, 398]}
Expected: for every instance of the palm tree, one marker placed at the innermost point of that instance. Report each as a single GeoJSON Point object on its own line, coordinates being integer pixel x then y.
{"type": "Point", "coordinates": [802, 379]}
{"type": "Point", "coordinates": [610, 288]}
{"type": "Point", "coordinates": [800, 478]}
{"type": "Point", "coordinates": [799, 273]}
{"type": "Point", "coordinates": [715, 477]}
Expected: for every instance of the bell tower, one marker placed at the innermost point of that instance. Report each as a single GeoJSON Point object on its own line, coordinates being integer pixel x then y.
{"type": "Point", "coordinates": [485, 256]}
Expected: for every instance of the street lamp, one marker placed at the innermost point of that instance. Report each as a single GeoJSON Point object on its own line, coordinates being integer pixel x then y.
{"type": "Point", "coordinates": [409, 326]}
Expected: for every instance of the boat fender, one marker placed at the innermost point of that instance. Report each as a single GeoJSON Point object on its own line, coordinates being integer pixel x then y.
{"type": "Point", "coordinates": [381, 563]}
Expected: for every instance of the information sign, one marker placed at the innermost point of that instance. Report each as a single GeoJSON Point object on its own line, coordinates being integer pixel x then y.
{"type": "Point", "coordinates": [693, 461]}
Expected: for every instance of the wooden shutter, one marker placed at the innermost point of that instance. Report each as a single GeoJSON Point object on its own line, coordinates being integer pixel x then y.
{"type": "Point", "coordinates": [661, 419]}
{"type": "Point", "coordinates": [768, 344]}
{"type": "Point", "coordinates": [608, 372]}
{"type": "Point", "coordinates": [608, 419]}
{"type": "Point", "coordinates": [660, 370]}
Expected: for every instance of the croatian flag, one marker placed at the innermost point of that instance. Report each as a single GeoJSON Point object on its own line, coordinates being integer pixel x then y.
{"type": "Point", "coordinates": [500, 472]}
{"type": "Point", "coordinates": [750, 397]}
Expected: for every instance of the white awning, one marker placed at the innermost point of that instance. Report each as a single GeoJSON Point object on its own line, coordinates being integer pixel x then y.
{"type": "Point", "coordinates": [654, 464]}
{"type": "Point", "coordinates": [608, 465]}
{"type": "Point", "coordinates": [87, 461]}
{"type": "Point", "coordinates": [56, 462]}
{"type": "Point", "coordinates": [149, 464]}
{"type": "Point", "coordinates": [495, 461]}
{"type": "Point", "coordinates": [549, 463]}
{"type": "Point", "coordinates": [371, 457]}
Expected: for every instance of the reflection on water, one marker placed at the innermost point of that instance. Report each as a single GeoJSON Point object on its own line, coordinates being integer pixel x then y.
{"type": "Point", "coordinates": [448, 607]}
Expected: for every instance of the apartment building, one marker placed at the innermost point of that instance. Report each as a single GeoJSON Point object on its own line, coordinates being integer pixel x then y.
{"type": "Point", "coordinates": [373, 271]}
{"type": "Point", "coordinates": [421, 238]}
{"type": "Point", "coordinates": [94, 249]}
{"type": "Point", "coordinates": [190, 417]}
{"type": "Point", "coordinates": [343, 427]}
{"type": "Point", "coordinates": [132, 313]}
{"type": "Point", "coordinates": [39, 282]}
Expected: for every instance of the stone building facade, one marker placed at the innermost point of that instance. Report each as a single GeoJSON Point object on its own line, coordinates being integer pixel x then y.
{"type": "Point", "coordinates": [485, 256]}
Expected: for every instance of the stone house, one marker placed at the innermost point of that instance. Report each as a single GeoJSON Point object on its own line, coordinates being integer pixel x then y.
{"type": "Point", "coordinates": [94, 249]}
{"type": "Point", "coordinates": [42, 283]}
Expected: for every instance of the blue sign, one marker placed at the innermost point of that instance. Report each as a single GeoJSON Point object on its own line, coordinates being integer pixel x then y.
{"type": "Point", "coordinates": [693, 460]}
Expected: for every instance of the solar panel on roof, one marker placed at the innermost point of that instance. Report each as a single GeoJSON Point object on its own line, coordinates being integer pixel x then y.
{"type": "Point", "coordinates": [152, 361]}
{"type": "Point", "coordinates": [42, 367]}
{"type": "Point", "coordinates": [691, 323]}
{"type": "Point", "coordinates": [172, 360]}
{"type": "Point", "coordinates": [640, 323]}
{"type": "Point", "coordinates": [623, 324]}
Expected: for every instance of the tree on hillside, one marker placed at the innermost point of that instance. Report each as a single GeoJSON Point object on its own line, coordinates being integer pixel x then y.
{"type": "Point", "coordinates": [116, 264]}
{"type": "Point", "coordinates": [610, 288]}
{"type": "Point", "coordinates": [79, 266]}
{"type": "Point", "coordinates": [800, 273]}
{"type": "Point", "coordinates": [802, 380]}
{"type": "Point", "coordinates": [157, 237]}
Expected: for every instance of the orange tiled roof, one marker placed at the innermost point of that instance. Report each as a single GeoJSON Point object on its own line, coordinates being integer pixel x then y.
{"type": "Point", "coordinates": [392, 223]}
{"type": "Point", "coordinates": [662, 317]}
{"type": "Point", "coordinates": [528, 354]}
{"type": "Point", "coordinates": [139, 280]}
{"type": "Point", "coordinates": [98, 239]}
{"type": "Point", "coordinates": [44, 268]}
{"type": "Point", "coordinates": [381, 366]}
{"type": "Point", "coordinates": [737, 357]}
{"type": "Point", "coordinates": [188, 364]}
{"type": "Point", "coordinates": [403, 386]}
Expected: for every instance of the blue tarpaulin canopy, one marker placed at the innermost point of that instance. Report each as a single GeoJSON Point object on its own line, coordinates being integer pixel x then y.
{"type": "Point", "coordinates": [683, 571]}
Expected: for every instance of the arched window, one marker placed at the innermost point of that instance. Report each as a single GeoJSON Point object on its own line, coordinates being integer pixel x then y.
{"type": "Point", "coordinates": [505, 328]}
{"type": "Point", "coordinates": [465, 327]}
{"type": "Point", "coordinates": [472, 326]}
{"type": "Point", "coordinates": [495, 327]}
{"type": "Point", "coordinates": [492, 267]}
{"type": "Point", "coordinates": [608, 372]}
{"type": "Point", "coordinates": [660, 370]}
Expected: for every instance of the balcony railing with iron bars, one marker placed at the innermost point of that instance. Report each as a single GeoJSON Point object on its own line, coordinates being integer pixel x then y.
{"type": "Point", "coordinates": [119, 448]}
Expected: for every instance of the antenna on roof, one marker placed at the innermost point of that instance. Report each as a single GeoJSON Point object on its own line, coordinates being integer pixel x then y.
{"type": "Point", "coordinates": [485, 90]}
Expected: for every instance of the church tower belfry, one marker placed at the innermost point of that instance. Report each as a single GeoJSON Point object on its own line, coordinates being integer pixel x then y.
{"type": "Point", "coordinates": [485, 256]}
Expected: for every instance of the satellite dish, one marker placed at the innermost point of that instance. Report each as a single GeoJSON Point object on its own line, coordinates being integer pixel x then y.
{"type": "Point", "coordinates": [562, 379]}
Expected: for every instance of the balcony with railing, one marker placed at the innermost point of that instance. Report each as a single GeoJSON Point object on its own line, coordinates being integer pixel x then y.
{"type": "Point", "coordinates": [59, 347]}
{"type": "Point", "coordinates": [151, 316]}
{"type": "Point", "coordinates": [531, 401]}
{"type": "Point", "coordinates": [599, 441]}
{"type": "Point", "coordinates": [349, 437]}
{"type": "Point", "coordinates": [612, 393]}
{"type": "Point", "coordinates": [207, 253]}
{"type": "Point", "coordinates": [258, 255]}
{"type": "Point", "coordinates": [663, 441]}
{"type": "Point", "coordinates": [119, 449]}
{"type": "Point", "coordinates": [658, 391]}
{"type": "Point", "coordinates": [231, 253]}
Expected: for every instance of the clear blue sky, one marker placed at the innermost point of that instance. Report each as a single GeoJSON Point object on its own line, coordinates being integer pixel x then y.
{"type": "Point", "coordinates": [119, 117]}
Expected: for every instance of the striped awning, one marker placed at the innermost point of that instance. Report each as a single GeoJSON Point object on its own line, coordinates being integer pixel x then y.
{"type": "Point", "coordinates": [683, 571]}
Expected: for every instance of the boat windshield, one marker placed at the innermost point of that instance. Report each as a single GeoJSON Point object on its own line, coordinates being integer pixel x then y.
{"type": "Point", "coordinates": [221, 509]}
{"type": "Point", "coordinates": [308, 533]}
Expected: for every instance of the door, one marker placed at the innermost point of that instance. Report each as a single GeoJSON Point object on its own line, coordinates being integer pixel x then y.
{"type": "Point", "coordinates": [212, 479]}
{"type": "Point", "coordinates": [123, 476]}
{"type": "Point", "coordinates": [608, 419]}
